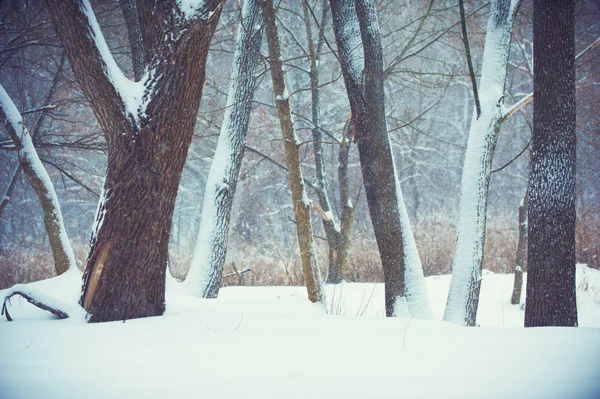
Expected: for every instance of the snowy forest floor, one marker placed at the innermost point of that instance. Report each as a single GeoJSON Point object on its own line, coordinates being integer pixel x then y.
{"type": "Point", "coordinates": [270, 342]}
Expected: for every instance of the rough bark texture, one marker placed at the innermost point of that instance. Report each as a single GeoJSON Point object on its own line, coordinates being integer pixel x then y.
{"type": "Point", "coordinates": [551, 299]}
{"type": "Point", "coordinates": [134, 33]}
{"type": "Point", "coordinates": [463, 296]}
{"type": "Point", "coordinates": [300, 200]}
{"type": "Point", "coordinates": [521, 265]}
{"type": "Point", "coordinates": [125, 271]}
{"type": "Point", "coordinates": [204, 277]}
{"type": "Point", "coordinates": [41, 183]}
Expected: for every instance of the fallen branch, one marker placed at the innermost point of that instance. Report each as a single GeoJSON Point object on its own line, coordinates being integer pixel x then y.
{"type": "Point", "coordinates": [239, 273]}
{"type": "Point", "coordinates": [33, 299]}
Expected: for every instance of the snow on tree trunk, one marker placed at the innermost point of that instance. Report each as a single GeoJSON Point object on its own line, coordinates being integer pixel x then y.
{"type": "Point", "coordinates": [64, 259]}
{"type": "Point", "coordinates": [463, 297]}
{"type": "Point", "coordinates": [148, 126]}
{"type": "Point", "coordinates": [551, 288]}
{"type": "Point", "coordinates": [301, 203]}
{"type": "Point", "coordinates": [204, 277]}
{"type": "Point", "coordinates": [405, 292]}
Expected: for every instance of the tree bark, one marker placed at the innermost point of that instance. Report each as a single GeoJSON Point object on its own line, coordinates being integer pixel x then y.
{"type": "Point", "coordinates": [134, 34]}
{"type": "Point", "coordinates": [551, 289]}
{"type": "Point", "coordinates": [148, 126]}
{"type": "Point", "coordinates": [204, 277]}
{"type": "Point", "coordinates": [405, 292]}
{"type": "Point", "coordinates": [300, 200]}
{"type": "Point", "coordinates": [463, 296]}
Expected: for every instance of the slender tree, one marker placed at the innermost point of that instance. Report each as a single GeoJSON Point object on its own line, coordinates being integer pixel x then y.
{"type": "Point", "coordinates": [463, 296]}
{"type": "Point", "coordinates": [353, 23]}
{"type": "Point", "coordinates": [301, 203]}
{"type": "Point", "coordinates": [148, 126]}
{"type": "Point", "coordinates": [521, 265]}
{"type": "Point", "coordinates": [64, 259]}
{"type": "Point", "coordinates": [204, 277]}
{"type": "Point", "coordinates": [551, 295]}
{"type": "Point", "coordinates": [337, 231]}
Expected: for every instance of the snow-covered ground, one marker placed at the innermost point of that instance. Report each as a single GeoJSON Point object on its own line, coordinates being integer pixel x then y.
{"type": "Point", "coordinates": [270, 342]}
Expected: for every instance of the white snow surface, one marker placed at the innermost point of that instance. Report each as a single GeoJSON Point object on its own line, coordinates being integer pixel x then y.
{"type": "Point", "coordinates": [270, 342]}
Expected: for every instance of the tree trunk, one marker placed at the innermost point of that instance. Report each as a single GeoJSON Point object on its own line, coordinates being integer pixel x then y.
{"type": "Point", "coordinates": [463, 296]}
{"type": "Point", "coordinates": [204, 277]}
{"type": "Point", "coordinates": [134, 34]}
{"type": "Point", "coordinates": [521, 266]}
{"type": "Point", "coordinates": [64, 259]}
{"type": "Point", "coordinates": [551, 289]}
{"type": "Point", "coordinates": [405, 292]}
{"type": "Point", "coordinates": [300, 200]}
{"type": "Point", "coordinates": [148, 126]}
{"type": "Point", "coordinates": [337, 235]}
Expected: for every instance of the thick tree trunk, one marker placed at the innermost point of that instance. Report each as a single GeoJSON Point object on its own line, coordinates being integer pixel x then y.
{"type": "Point", "coordinates": [148, 126]}
{"type": "Point", "coordinates": [521, 265]}
{"type": "Point", "coordinates": [204, 277]}
{"type": "Point", "coordinates": [300, 200]}
{"type": "Point", "coordinates": [41, 183]}
{"type": "Point", "coordinates": [551, 294]}
{"type": "Point", "coordinates": [405, 292]}
{"type": "Point", "coordinates": [463, 296]}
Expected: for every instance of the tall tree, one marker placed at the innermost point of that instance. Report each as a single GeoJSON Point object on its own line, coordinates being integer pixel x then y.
{"type": "Point", "coordinates": [337, 231]}
{"type": "Point", "coordinates": [148, 126]}
{"type": "Point", "coordinates": [204, 277]}
{"type": "Point", "coordinates": [551, 299]}
{"type": "Point", "coordinates": [301, 203]}
{"type": "Point", "coordinates": [463, 296]}
{"type": "Point", "coordinates": [353, 23]}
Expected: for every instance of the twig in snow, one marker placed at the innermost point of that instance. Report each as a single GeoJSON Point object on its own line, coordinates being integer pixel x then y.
{"type": "Point", "coordinates": [57, 312]}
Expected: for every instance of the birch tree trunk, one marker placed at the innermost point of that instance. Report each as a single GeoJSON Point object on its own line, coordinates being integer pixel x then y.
{"type": "Point", "coordinates": [300, 200]}
{"type": "Point", "coordinates": [64, 259]}
{"type": "Point", "coordinates": [551, 290]}
{"type": "Point", "coordinates": [148, 126]}
{"type": "Point", "coordinates": [405, 293]}
{"type": "Point", "coordinates": [204, 277]}
{"type": "Point", "coordinates": [463, 296]}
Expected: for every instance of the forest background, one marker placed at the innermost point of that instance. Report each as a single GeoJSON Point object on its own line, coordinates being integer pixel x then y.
{"type": "Point", "coordinates": [429, 105]}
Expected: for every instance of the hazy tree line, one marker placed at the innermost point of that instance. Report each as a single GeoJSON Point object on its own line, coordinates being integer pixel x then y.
{"type": "Point", "coordinates": [319, 76]}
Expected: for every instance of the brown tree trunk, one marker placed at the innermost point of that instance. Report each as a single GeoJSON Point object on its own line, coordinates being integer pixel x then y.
{"type": "Point", "coordinates": [300, 200]}
{"type": "Point", "coordinates": [551, 294]}
{"type": "Point", "coordinates": [147, 146]}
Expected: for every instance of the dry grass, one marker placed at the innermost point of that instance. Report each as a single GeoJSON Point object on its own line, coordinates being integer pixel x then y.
{"type": "Point", "coordinates": [435, 238]}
